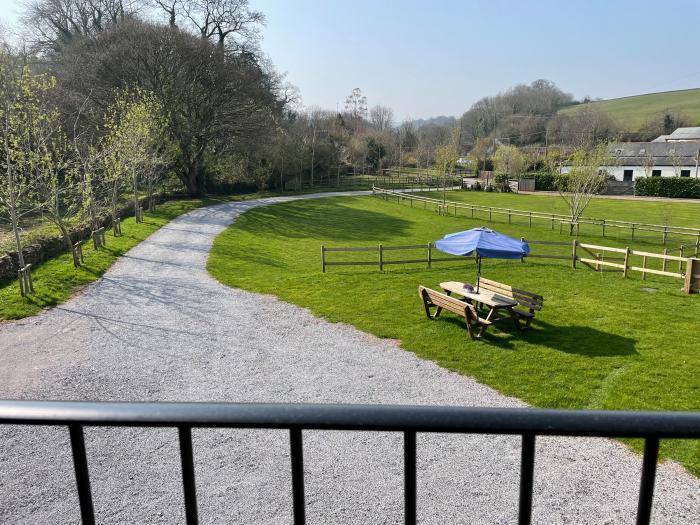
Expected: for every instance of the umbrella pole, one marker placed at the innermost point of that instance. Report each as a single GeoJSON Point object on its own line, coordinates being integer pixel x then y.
{"type": "Point", "coordinates": [478, 272]}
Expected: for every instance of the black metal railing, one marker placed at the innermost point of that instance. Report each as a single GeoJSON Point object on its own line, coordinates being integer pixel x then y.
{"type": "Point", "coordinates": [410, 420]}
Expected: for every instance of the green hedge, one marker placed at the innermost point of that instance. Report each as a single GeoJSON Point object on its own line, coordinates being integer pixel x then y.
{"type": "Point", "coordinates": [545, 181]}
{"type": "Point", "coordinates": [675, 187]}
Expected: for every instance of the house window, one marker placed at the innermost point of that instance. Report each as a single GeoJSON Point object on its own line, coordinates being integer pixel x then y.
{"type": "Point", "coordinates": [685, 173]}
{"type": "Point", "coordinates": [656, 173]}
{"type": "Point", "coordinates": [627, 175]}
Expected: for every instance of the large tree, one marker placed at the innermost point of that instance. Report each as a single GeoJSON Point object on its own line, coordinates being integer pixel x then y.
{"type": "Point", "coordinates": [218, 102]}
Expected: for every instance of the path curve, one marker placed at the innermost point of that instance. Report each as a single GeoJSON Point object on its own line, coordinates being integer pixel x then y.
{"type": "Point", "coordinates": [157, 327]}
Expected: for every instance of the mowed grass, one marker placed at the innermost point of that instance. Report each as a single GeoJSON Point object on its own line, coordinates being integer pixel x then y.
{"type": "Point", "coordinates": [634, 111]}
{"type": "Point", "coordinates": [601, 342]}
{"type": "Point", "coordinates": [685, 214]}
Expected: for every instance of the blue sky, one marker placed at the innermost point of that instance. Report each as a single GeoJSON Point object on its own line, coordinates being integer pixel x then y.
{"type": "Point", "coordinates": [426, 58]}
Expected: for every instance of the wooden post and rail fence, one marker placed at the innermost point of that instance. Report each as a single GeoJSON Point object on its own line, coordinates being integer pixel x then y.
{"type": "Point", "coordinates": [478, 210]}
{"type": "Point", "coordinates": [595, 257]}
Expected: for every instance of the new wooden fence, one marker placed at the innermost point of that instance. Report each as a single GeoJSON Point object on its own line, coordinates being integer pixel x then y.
{"type": "Point", "coordinates": [553, 219]}
{"type": "Point", "coordinates": [381, 260]}
{"type": "Point", "coordinates": [596, 257]}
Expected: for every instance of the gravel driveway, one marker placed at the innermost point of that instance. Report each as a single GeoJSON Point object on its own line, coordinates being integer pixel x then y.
{"type": "Point", "coordinates": [156, 327]}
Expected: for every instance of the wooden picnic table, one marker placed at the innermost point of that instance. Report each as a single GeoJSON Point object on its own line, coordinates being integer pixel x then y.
{"type": "Point", "coordinates": [489, 299]}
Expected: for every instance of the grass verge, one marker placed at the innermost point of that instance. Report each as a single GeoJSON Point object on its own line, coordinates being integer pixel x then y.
{"type": "Point", "coordinates": [601, 342]}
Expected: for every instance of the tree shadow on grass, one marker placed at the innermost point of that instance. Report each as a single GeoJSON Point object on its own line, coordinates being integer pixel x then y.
{"type": "Point", "coordinates": [324, 220]}
{"type": "Point", "coordinates": [581, 340]}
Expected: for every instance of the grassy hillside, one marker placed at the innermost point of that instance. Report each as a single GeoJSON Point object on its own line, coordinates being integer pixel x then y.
{"type": "Point", "coordinates": [632, 112]}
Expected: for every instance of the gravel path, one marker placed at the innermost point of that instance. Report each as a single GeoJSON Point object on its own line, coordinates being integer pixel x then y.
{"type": "Point", "coordinates": [156, 327]}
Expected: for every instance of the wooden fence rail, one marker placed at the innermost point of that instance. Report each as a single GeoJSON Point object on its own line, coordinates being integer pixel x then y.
{"type": "Point", "coordinates": [595, 257]}
{"type": "Point", "coordinates": [452, 207]}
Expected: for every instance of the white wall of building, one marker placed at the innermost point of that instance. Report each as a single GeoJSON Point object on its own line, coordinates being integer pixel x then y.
{"type": "Point", "coordinates": [638, 171]}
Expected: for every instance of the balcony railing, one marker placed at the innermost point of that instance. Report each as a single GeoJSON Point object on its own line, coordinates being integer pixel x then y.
{"type": "Point", "coordinates": [410, 420]}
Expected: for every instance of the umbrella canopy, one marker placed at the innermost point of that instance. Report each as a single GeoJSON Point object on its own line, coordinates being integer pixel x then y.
{"type": "Point", "coordinates": [485, 242]}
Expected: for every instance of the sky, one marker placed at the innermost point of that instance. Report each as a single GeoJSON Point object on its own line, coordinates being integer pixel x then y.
{"type": "Point", "coordinates": [428, 58]}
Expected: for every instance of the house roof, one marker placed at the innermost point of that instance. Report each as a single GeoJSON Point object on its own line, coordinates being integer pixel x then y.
{"type": "Point", "coordinates": [635, 153]}
{"type": "Point", "coordinates": [685, 134]}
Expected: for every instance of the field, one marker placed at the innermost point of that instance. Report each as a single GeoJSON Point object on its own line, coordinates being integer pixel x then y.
{"type": "Point", "coordinates": [633, 112]}
{"type": "Point", "coordinates": [685, 214]}
{"type": "Point", "coordinates": [601, 342]}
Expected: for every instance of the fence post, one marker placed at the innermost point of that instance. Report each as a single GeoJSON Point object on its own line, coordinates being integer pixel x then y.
{"type": "Point", "coordinates": [29, 277]}
{"type": "Point", "coordinates": [522, 259]}
{"type": "Point", "coordinates": [509, 211]}
{"type": "Point", "coordinates": [632, 231]}
{"type": "Point", "coordinates": [22, 284]}
{"type": "Point", "coordinates": [530, 219]}
{"type": "Point", "coordinates": [381, 259]}
{"type": "Point", "coordinates": [692, 279]}
{"type": "Point", "coordinates": [627, 257]}
{"type": "Point", "coordinates": [430, 255]}
{"type": "Point", "coordinates": [680, 262]}
{"type": "Point", "coordinates": [664, 261]}
{"type": "Point", "coordinates": [552, 227]}
{"type": "Point", "coordinates": [490, 213]}
{"type": "Point", "coordinates": [644, 267]}
{"type": "Point", "coordinates": [573, 254]}
{"type": "Point", "coordinates": [323, 258]}
{"type": "Point", "coordinates": [597, 264]}
{"type": "Point", "coordinates": [603, 227]}
{"type": "Point", "coordinates": [697, 243]}
{"type": "Point", "coordinates": [665, 234]}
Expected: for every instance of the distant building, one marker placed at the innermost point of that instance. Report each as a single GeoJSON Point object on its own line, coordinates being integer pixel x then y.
{"type": "Point", "coordinates": [674, 155]}
{"type": "Point", "coordinates": [681, 135]}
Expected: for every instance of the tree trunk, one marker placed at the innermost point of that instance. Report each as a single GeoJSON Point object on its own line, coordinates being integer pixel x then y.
{"type": "Point", "coordinates": [135, 181]}
{"type": "Point", "coordinates": [58, 221]}
{"type": "Point", "coordinates": [191, 177]}
{"type": "Point", "coordinates": [115, 196]}
{"type": "Point", "coordinates": [67, 240]}
{"type": "Point", "coordinates": [15, 231]}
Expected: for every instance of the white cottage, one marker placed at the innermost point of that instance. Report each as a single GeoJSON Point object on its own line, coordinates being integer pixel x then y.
{"type": "Point", "coordinates": [674, 155]}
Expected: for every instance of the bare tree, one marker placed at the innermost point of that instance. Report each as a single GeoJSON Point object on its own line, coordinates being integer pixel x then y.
{"type": "Point", "coordinates": [231, 23]}
{"type": "Point", "coordinates": [356, 107]}
{"type": "Point", "coordinates": [648, 163]}
{"type": "Point", "coordinates": [585, 179]}
{"type": "Point", "coordinates": [54, 24]}
{"type": "Point", "coordinates": [381, 117]}
{"type": "Point", "coordinates": [676, 160]}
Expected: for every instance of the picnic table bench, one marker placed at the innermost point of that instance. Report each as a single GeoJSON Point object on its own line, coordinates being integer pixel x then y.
{"type": "Point", "coordinates": [476, 326]}
{"type": "Point", "coordinates": [524, 303]}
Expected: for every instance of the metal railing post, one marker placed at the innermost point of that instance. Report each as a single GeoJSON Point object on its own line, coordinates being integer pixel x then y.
{"type": "Point", "coordinates": [297, 457]}
{"type": "Point", "coordinates": [409, 465]}
{"type": "Point", "coordinates": [82, 476]}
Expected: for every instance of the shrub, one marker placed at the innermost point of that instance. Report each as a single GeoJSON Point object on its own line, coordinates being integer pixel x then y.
{"type": "Point", "coordinates": [675, 187]}
{"type": "Point", "coordinates": [545, 181]}
{"type": "Point", "coordinates": [501, 182]}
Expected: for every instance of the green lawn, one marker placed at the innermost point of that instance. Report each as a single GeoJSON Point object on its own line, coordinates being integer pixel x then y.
{"type": "Point", "coordinates": [601, 342]}
{"type": "Point", "coordinates": [633, 112]}
{"type": "Point", "coordinates": [652, 212]}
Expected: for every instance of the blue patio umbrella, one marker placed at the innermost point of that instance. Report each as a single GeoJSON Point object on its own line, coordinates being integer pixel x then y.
{"type": "Point", "coordinates": [484, 242]}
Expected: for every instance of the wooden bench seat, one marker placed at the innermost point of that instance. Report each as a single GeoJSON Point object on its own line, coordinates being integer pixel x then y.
{"type": "Point", "coordinates": [476, 326]}
{"type": "Point", "coordinates": [528, 302]}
